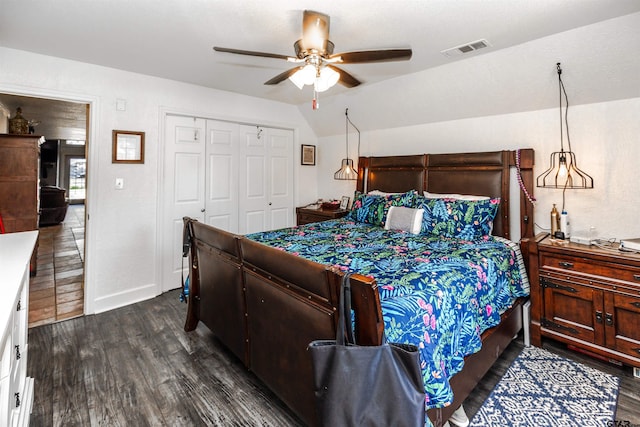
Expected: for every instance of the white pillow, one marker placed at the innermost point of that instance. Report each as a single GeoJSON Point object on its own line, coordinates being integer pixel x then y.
{"type": "Point", "coordinates": [454, 196]}
{"type": "Point", "coordinates": [404, 219]}
{"type": "Point", "coordinates": [381, 193]}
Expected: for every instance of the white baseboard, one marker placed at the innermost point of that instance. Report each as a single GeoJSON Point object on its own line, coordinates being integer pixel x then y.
{"type": "Point", "coordinates": [121, 299]}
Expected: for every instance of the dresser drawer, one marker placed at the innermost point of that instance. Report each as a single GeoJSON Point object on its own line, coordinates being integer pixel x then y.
{"type": "Point", "coordinates": [305, 218]}
{"type": "Point", "coordinates": [609, 270]}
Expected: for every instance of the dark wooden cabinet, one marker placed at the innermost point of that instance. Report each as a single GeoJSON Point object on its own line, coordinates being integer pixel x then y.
{"type": "Point", "coordinates": [19, 173]}
{"type": "Point", "coordinates": [586, 297]}
{"type": "Point", "coordinates": [19, 156]}
{"type": "Point", "coordinates": [308, 215]}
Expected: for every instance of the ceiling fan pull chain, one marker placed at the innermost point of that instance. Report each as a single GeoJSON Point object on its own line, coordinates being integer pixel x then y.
{"type": "Point", "coordinates": [315, 104]}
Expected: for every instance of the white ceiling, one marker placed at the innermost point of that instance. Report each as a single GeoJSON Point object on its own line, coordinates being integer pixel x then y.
{"type": "Point", "coordinates": [174, 38]}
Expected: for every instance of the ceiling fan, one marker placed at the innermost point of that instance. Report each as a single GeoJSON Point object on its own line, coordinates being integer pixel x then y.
{"type": "Point", "coordinates": [316, 60]}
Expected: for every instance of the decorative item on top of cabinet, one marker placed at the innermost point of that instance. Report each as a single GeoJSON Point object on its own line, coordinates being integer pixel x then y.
{"type": "Point", "coordinates": [586, 297]}
{"type": "Point", "coordinates": [18, 125]}
{"type": "Point", "coordinates": [306, 215]}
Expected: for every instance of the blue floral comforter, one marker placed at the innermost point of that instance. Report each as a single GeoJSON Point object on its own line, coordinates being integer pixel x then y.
{"type": "Point", "coordinates": [437, 293]}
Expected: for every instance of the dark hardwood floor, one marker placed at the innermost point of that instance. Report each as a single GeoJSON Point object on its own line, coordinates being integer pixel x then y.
{"type": "Point", "coordinates": [135, 366]}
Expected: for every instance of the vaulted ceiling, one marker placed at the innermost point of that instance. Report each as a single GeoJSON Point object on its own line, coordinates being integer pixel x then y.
{"type": "Point", "coordinates": [174, 38]}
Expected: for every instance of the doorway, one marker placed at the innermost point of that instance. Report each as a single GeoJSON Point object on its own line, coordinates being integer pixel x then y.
{"type": "Point", "coordinates": [57, 291]}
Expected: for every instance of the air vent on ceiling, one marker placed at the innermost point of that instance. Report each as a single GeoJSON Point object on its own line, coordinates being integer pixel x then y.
{"type": "Point", "coordinates": [466, 48]}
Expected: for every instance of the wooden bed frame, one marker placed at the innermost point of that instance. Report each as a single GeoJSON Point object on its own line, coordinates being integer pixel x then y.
{"type": "Point", "coordinates": [266, 305]}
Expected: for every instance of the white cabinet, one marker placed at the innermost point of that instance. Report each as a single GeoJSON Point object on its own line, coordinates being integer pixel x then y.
{"type": "Point", "coordinates": [16, 389]}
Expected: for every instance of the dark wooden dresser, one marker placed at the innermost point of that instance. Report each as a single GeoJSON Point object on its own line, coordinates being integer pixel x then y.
{"type": "Point", "coordinates": [586, 297]}
{"type": "Point", "coordinates": [19, 157]}
{"type": "Point", "coordinates": [19, 181]}
{"type": "Point", "coordinates": [307, 215]}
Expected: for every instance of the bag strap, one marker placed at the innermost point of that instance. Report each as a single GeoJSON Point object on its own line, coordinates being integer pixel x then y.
{"type": "Point", "coordinates": [344, 313]}
{"type": "Point", "coordinates": [187, 235]}
{"type": "Point", "coordinates": [345, 333]}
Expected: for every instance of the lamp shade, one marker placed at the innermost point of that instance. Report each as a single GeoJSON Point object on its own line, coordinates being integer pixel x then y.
{"type": "Point", "coordinates": [346, 171]}
{"type": "Point", "coordinates": [563, 169]}
{"type": "Point", "coordinates": [564, 173]}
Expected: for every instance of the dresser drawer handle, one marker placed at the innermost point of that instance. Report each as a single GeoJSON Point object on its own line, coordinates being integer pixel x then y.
{"type": "Point", "coordinates": [637, 277]}
{"type": "Point", "coordinates": [636, 304]}
{"type": "Point", "coordinates": [565, 264]}
{"type": "Point", "coordinates": [599, 317]}
{"type": "Point", "coordinates": [608, 319]}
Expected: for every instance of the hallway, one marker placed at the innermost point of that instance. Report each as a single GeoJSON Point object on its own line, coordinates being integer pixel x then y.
{"type": "Point", "coordinates": [57, 291]}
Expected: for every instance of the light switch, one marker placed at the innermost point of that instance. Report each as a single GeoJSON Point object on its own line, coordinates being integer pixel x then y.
{"type": "Point", "coordinates": [119, 183]}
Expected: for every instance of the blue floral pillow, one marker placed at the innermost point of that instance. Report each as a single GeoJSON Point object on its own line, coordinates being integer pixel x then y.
{"type": "Point", "coordinates": [373, 209]}
{"type": "Point", "coordinates": [462, 219]}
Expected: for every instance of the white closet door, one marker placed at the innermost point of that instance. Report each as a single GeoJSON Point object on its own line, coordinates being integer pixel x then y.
{"type": "Point", "coordinates": [280, 148]}
{"type": "Point", "coordinates": [266, 179]}
{"type": "Point", "coordinates": [254, 199]}
{"type": "Point", "coordinates": [183, 189]}
{"type": "Point", "coordinates": [222, 175]}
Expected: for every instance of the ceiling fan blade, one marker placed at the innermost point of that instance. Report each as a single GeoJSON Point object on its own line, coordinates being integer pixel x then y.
{"type": "Point", "coordinates": [346, 79]}
{"type": "Point", "coordinates": [250, 53]}
{"type": "Point", "coordinates": [373, 56]}
{"type": "Point", "coordinates": [282, 76]}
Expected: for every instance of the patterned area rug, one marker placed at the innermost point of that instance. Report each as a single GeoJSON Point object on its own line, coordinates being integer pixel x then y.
{"type": "Point", "coordinates": [543, 389]}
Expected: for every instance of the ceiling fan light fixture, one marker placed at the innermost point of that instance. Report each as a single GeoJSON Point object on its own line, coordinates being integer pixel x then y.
{"type": "Point", "coordinates": [327, 79]}
{"type": "Point", "coordinates": [304, 76]}
{"type": "Point", "coordinates": [308, 75]}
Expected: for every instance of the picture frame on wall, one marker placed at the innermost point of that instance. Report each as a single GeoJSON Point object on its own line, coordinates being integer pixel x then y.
{"type": "Point", "coordinates": [344, 203]}
{"type": "Point", "coordinates": [308, 155]}
{"type": "Point", "coordinates": [128, 147]}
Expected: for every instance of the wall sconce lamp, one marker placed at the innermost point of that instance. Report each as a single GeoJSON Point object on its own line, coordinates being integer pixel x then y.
{"type": "Point", "coordinates": [347, 171]}
{"type": "Point", "coordinates": [563, 169]}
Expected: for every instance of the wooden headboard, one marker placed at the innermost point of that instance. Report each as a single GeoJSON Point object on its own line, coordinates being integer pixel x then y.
{"type": "Point", "coordinates": [483, 173]}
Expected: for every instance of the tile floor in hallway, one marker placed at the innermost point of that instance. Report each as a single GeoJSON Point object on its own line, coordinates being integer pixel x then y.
{"type": "Point", "coordinates": [57, 290]}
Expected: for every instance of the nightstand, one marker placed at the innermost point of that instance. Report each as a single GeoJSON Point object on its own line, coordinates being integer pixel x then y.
{"type": "Point", "coordinates": [586, 297]}
{"type": "Point", "coordinates": [308, 215]}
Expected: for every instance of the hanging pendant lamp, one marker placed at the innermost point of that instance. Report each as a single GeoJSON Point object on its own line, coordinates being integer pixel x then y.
{"type": "Point", "coordinates": [563, 169]}
{"type": "Point", "coordinates": [347, 171]}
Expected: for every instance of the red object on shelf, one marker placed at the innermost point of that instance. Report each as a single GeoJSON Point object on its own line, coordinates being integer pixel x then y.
{"type": "Point", "coordinates": [1, 225]}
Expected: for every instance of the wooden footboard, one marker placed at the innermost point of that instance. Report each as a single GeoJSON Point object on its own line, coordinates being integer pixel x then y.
{"type": "Point", "coordinates": [267, 305]}
{"type": "Point", "coordinates": [216, 280]}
